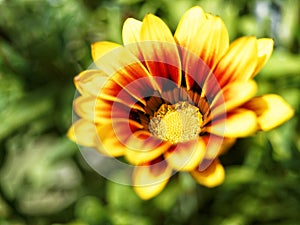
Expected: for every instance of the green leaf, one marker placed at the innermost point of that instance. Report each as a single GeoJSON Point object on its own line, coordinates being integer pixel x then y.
{"type": "Point", "coordinates": [24, 111]}
{"type": "Point", "coordinates": [122, 197]}
{"type": "Point", "coordinates": [90, 210]}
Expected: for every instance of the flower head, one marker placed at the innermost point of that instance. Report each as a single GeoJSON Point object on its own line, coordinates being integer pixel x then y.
{"type": "Point", "coordinates": [169, 103]}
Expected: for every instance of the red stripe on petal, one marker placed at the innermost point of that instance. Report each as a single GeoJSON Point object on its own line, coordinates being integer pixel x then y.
{"type": "Point", "coordinates": [195, 69]}
{"type": "Point", "coordinates": [159, 49]}
{"type": "Point", "coordinates": [107, 111]}
{"type": "Point", "coordinates": [124, 68]}
{"type": "Point", "coordinates": [239, 62]}
{"type": "Point", "coordinates": [232, 96]}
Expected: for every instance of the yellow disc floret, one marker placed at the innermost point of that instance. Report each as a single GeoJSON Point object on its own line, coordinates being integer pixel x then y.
{"type": "Point", "coordinates": [176, 123]}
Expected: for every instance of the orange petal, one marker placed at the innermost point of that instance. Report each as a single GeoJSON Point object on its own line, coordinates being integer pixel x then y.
{"type": "Point", "coordinates": [101, 48]}
{"type": "Point", "coordinates": [159, 49]}
{"type": "Point", "coordinates": [238, 123]}
{"type": "Point", "coordinates": [212, 176]}
{"type": "Point", "coordinates": [232, 96]}
{"type": "Point", "coordinates": [131, 31]}
{"type": "Point", "coordinates": [264, 51]}
{"type": "Point", "coordinates": [143, 147]}
{"type": "Point", "coordinates": [83, 133]}
{"type": "Point", "coordinates": [186, 156]}
{"type": "Point", "coordinates": [239, 62]}
{"type": "Point", "coordinates": [150, 179]}
{"type": "Point", "coordinates": [271, 110]}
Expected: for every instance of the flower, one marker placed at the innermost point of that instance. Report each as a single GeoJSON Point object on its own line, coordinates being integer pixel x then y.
{"type": "Point", "coordinates": [169, 103]}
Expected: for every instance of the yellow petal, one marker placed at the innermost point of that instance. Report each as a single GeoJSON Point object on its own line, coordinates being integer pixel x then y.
{"type": "Point", "coordinates": [120, 65]}
{"type": "Point", "coordinates": [90, 82]}
{"type": "Point", "coordinates": [264, 51]}
{"type": "Point", "coordinates": [206, 38]}
{"type": "Point", "coordinates": [108, 111]}
{"type": "Point", "coordinates": [271, 110]}
{"type": "Point", "coordinates": [131, 37]}
{"type": "Point", "coordinates": [131, 31]}
{"type": "Point", "coordinates": [150, 180]}
{"type": "Point", "coordinates": [212, 176]}
{"type": "Point", "coordinates": [215, 146]}
{"type": "Point", "coordinates": [83, 133]}
{"type": "Point", "coordinates": [159, 50]}
{"type": "Point", "coordinates": [113, 92]}
{"type": "Point", "coordinates": [215, 41]}
{"type": "Point", "coordinates": [112, 136]}
{"type": "Point", "coordinates": [143, 147]}
{"type": "Point", "coordinates": [127, 71]}
{"type": "Point", "coordinates": [101, 48]}
{"type": "Point", "coordinates": [238, 123]}
{"type": "Point", "coordinates": [154, 29]}
{"type": "Point", "coordinates": [135, 80]}
{"type": "Point", "coordinates": [118, 62]}
{"type": "Point", "coordinates": [186, 32]}
{"type": "Point", "coordinates": [239, 62]}
{"type": "Point", "coordinates": [189, 26]}
{"type": "Point", "coordinates": [118, 59]}
{"type": "Point", "coordinates": [232, 96]}
{"type": "Point", "coordinates": [99, 110]}
{"type": "Point", "coordinates": [84, 106]}
{"type": "Point", "coordinates": [186, 156]}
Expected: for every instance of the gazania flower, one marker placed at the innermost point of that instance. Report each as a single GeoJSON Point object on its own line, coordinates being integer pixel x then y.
{"type": "Point", "coordinates": [169, 103]}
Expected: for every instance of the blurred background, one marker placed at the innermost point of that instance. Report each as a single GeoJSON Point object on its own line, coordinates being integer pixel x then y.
{"type": "Point", "coordinates": [43, 177]}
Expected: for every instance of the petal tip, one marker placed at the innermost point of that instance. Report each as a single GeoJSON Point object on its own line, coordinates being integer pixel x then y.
{"type": "Point", "coordinates": [211, 177]}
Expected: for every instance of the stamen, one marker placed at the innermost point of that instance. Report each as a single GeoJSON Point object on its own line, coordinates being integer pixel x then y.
{"type": "Point", "coordinates": [176, 123]}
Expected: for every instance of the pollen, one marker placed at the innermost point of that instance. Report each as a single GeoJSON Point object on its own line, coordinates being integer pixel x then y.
{"type": "Point", "coordinates": [176, 123]}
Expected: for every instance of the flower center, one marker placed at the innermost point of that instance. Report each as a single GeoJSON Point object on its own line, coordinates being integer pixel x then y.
{"type": "Point", "coordinates": [180, 122]}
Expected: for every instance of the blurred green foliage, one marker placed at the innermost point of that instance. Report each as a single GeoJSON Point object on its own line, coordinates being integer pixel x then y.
{"type": "Point", "coordinates": [43, 177]}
